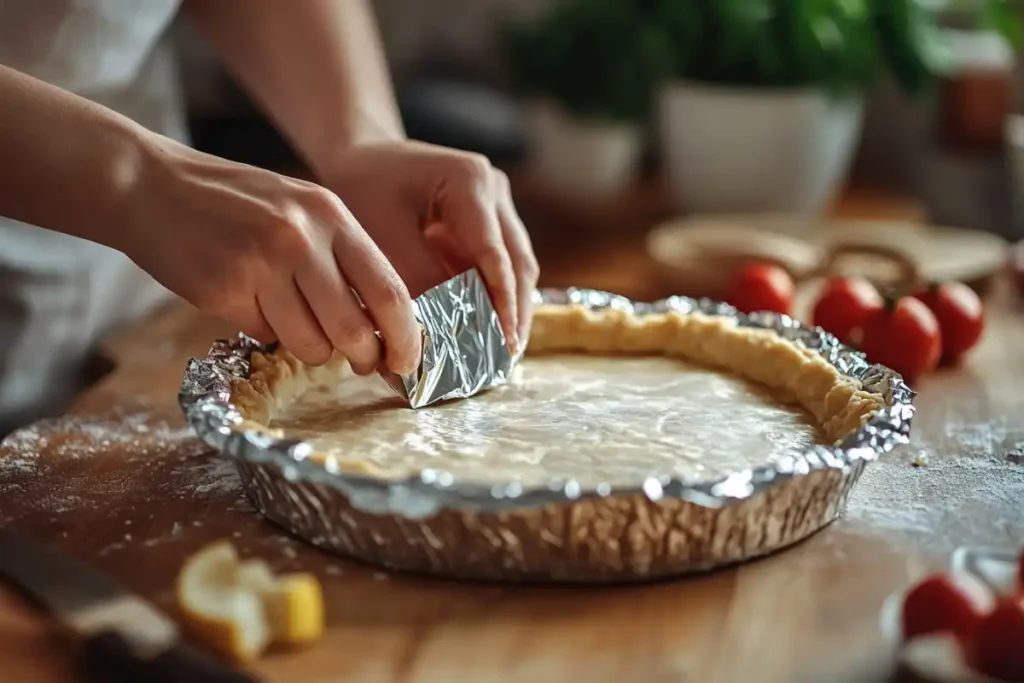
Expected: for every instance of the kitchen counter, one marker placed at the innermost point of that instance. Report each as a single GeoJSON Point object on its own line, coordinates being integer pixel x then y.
{"type": "Point", "coordinates": [119, 482]}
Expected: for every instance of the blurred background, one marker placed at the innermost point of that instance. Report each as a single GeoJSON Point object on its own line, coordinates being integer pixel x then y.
{"type": "Point", "coordinates": [653, 145]}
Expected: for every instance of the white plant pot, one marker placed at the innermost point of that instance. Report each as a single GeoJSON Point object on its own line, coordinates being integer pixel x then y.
{"type": "Point", "coordinates": [754, 150]}
{"type": "Point", "coordinates": [581, 158]}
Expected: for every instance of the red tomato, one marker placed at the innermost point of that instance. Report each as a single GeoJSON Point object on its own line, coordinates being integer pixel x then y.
{"type": "Point", "coordinates": [903, 335]}
{"type": "Point", "coordinates": [960, 314]}
{"type": "Point", "coordinates": [844, 305]}
{"type": "Point", "coordinates": [936, 605]}
{"type": "Point", "coordinates": [1020, 575]}
{"type": "Point", "coordinates": [761, 287]}
{"type": "Point", "coordinates": [997, 645]}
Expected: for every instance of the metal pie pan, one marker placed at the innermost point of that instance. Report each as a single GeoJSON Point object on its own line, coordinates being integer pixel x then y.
{"type": "Point", "coordinates": [433, 524]}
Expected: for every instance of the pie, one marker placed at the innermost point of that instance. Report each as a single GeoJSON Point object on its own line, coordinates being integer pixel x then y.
{"type": "Point", "coordinates": [603, 397]}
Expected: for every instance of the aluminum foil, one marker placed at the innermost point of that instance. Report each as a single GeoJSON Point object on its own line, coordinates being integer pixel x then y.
{"type": "Point", "coordinates": [464, 349]}
{"type": "Point", "coordinates": [205, 392]}
{"type": "Point", "coordinates": [560, 530]}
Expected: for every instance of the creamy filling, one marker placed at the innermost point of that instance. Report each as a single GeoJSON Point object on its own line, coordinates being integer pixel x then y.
{"type": "Point", "coordinates": [592, 419]}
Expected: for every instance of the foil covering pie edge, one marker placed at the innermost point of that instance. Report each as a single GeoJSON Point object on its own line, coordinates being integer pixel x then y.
{"type": "Point", "coordinates": [434, 524]}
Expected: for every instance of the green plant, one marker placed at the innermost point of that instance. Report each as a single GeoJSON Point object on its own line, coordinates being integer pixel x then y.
{"type": "Point", "coordinates": [599, 59]}
{"type": "Point", "coordinates": [1003, 16]}
{"type": "Point", "coordinates": [839, 45]}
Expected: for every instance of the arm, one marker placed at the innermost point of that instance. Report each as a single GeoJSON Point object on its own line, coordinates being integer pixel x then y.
{"type": "Point", "coordinates": [68, 164]}
{"type": "Point", "coordinates": [276, 256]}
{"type": "Point", "coordinates": [316, 66]}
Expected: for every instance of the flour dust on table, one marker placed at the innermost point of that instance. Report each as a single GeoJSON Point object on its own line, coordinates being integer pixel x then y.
{"type": "Point", "coordinates": [895, 496]}
{"type": "Point", "coordinates": [99, 457]}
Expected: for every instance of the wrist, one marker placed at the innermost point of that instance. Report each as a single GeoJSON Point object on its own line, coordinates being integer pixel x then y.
{"type": "Point", "coordinates": [329, 156]}
{"type": "Point", "coordinates": [129, 161]}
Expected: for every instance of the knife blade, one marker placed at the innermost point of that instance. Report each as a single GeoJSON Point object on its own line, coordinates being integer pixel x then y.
{"type": "Point", "coordinates": [122, 637]}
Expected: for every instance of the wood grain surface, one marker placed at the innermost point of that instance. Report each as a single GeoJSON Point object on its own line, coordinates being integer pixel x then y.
{"type": "Point", "coordinates": [120, 483]}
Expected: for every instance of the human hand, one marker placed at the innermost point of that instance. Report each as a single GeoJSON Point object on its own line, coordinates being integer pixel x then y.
{"type": "Point", "coordinates": [277, 256]}
{"type": "Point", "coordinates": [435, 212]}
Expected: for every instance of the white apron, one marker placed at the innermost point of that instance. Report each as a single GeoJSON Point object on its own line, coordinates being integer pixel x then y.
{"type": "Point", "coordinates": [59, 294]}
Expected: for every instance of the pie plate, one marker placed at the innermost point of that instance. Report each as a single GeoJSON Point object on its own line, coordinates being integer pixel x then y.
{"type": "Point", "coordinates": [539, 490]}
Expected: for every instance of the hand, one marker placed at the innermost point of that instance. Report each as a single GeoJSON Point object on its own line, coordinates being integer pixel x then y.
{"type": "Point", "coordinates": [278, 257]}
{"type": "Point", "coordinates": [435, 212]}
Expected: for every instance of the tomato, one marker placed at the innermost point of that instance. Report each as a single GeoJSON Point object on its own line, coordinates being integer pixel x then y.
{"type": "Point", "coordinates": [936, 605]}
{"type": "Point", "coordinates": [761, 287]}
{"type": "Point", "coordinates": [997, 645]}
{"type": "Point", "coordinates": [903, 335]}
{"type": "Point", "coordinates": [844, 305]}
{"type": "Point", "coordinates": [1020, 575]}
{"type": "Point", "coordinates": [960, 314]}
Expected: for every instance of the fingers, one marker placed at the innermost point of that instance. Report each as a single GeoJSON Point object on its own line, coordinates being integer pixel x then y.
{"type": "Point", "coordinates": [249, 319]}
{"type": "Point", "coordinates": [520, 251]}
{"type": "Point", "coordinates": [294, 324]}
{"type": "Point", "coordinates": [340, 316]}
{"type": "Point", "coordinates": [255, 326]}
{"type": "Point", "coordinates": [443, 242]}
{"type": "Point", "coordinates": [470, 209]}
{"type": "Point", "coordinates": [385, 297]}
{"type": "Point", "coordinates": [419, 263]}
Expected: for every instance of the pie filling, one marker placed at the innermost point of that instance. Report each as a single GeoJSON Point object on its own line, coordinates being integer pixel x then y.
{"type": "Point", "coordinates": [589, 418]}
{"type": "Point", "coordinates": [602, 398]}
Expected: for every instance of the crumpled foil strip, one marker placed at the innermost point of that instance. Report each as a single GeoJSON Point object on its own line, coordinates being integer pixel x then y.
{"type": "Point", "coordinates": [464, 349]}
{"type": "Point", "coordinates": [602, 534]}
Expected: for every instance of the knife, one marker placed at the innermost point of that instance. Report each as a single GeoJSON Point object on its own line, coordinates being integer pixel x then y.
{"type": "Point", "coordinates": [123, 638]}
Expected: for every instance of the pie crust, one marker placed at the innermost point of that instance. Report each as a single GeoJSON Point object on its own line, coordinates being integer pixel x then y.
{"type": "Point", "coordinates": [793, 374]}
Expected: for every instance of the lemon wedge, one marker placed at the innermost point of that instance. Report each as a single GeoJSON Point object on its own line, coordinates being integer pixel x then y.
{"type": "Point", "coordinates": [226, 616]}
{"type": "Point", "coordinates": [294, 603]}
{"type": "Point", "coordinates": [239, 608]}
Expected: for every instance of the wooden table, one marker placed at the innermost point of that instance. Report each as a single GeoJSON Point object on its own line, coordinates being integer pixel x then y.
{"type": "Point", "coordinates": [120, 483]}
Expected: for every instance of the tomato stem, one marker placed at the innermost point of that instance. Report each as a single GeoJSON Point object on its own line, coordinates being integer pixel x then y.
{"type": "Point", "coordinates": [890, 299]}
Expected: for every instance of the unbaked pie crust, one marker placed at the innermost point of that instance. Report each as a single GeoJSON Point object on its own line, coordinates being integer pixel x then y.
{"type": "Point", "coordinates": [603, 397]}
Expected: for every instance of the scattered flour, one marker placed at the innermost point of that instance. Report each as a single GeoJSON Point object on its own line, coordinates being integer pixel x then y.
{"type": "Point", "coordinates": [17, 462]}
{"type": "Point", "coordinates": [218, 476]}
{"type": "Point", "coordinates": [111, 548]}
{"type": "Point", "coordinates": [179, 465]}
{"type": "Point", "coordinates": [129, 463]}
{"type": "Point", "coordinates": [174, 533]}
{"type": "Point", "coordinates": [979, 438]}
{"type": "Point", "coordinates": [942, 501]}
{"type": "Point", "coordinates": [76, 438]}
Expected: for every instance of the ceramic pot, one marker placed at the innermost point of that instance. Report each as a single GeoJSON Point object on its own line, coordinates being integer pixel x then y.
{"type": "Point", "coordinates": [755, 150]}
{"type": "Point", "coordinates": [580, 157]}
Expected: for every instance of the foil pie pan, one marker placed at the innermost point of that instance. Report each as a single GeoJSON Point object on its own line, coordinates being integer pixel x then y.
{"type": "Point", "coordinates": [562, 532]}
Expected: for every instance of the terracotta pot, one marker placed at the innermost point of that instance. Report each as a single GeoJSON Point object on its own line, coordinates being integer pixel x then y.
{"type": "Point", "coordinates": [974, 106]}
{"type": "Point", "coordinates": [976, 98]}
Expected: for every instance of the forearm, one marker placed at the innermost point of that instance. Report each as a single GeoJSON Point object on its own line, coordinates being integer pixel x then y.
{"type": "Point", "coordinates": [67, 163]}
{"type": "Point", "coordinates": [316, 66]}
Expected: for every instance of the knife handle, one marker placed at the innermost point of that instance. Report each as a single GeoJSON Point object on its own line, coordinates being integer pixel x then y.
{"type": "Point", "coordinates": [110, 658]}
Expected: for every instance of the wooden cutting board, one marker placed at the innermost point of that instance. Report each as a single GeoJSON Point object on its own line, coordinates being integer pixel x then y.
{"type": "Point", "coordinates": [696, 255]}
{"type": "Point", "coordinates": [121, 484]}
